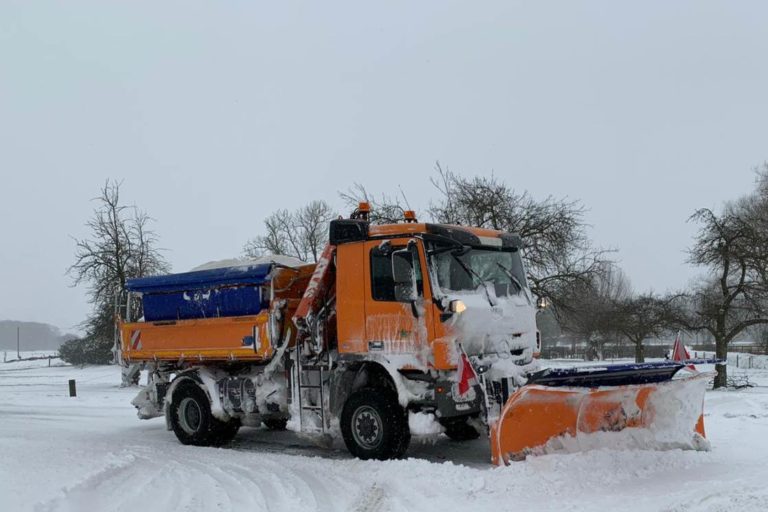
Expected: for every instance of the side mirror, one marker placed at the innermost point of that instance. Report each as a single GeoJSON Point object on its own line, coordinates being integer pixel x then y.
{"type": "Point", "coordinates": [542, 303]}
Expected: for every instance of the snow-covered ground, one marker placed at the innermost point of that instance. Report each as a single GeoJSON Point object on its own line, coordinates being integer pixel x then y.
{"type": "Point", "coordinates": [91, 453]}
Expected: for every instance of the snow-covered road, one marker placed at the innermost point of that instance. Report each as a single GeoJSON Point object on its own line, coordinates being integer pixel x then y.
{"type": "Point", "coordinates": [92, 453]}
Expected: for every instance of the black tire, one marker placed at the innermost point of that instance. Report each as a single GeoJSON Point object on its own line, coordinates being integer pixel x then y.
{"type": "Point", "coordinates": [460, 430]}
{"type": "Point", "coordinates": [192, 420]}
{"type": "Point", "coordinates": [275, 423]}
{"type": "Point", "coordinates": [374, 425]}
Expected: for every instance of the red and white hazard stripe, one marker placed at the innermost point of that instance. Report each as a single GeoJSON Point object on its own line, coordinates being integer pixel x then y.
{"type": "Point", "coordinates": [136, 340]}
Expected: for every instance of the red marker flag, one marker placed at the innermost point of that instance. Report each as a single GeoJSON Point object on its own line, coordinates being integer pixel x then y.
{"type": "Point", "coordinates": [680, 353]}
{"type": "Point", "coordinates": [465, 372]}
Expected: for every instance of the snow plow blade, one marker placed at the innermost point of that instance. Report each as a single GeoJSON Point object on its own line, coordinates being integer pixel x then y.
{"type": "Point", "coordinates": [619, 406]}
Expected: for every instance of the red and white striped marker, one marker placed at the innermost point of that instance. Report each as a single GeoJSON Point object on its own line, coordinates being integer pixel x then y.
{"type": "Point", "coordinates": [136, 340]}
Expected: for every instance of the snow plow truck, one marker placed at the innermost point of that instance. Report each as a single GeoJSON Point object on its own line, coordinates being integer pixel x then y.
{"type": "Point", "coordinates": [393, 319]}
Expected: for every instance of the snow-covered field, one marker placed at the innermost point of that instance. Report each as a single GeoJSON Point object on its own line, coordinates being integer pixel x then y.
{"type": "Point", "coordinates": [10, 355]}
{"type": "Point", "coordinates": [91, 453]}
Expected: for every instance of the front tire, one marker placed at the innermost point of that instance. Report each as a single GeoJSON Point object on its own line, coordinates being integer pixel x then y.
{"type": "Point", "coordinates": [192, 420]}
{"type": "Point", "coordinates": [374, 425]}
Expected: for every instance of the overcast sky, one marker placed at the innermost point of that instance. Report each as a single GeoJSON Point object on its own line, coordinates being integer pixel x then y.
{"type": "Point", "coordinates": [216, 113]}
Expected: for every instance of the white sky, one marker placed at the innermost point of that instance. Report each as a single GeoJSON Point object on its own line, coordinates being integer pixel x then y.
{"type": "Point", "coordinates": [217, 113]}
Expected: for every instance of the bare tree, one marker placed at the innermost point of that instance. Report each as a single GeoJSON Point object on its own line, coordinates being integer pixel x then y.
{"type": "Point", "coordinates": [121, 246]}
{"type": "Point", "coordinates": [144, 256]}
{"type": "Point", "coordinates": [302, 233]}
{"type": "Point", "coordinates": [385, 209]}
{"type": "Point", "coordinates": [641, 317]}
{"type": "Point", "coordinates": [274, 241]}
{"type": "Point", "coordinates": [312, 225]}
{"type": "Point", "coordinates": [731, 246]}
{"type": "Point", "coordinates": [590, 307]}
{"type": "Point", "coordinates": [759, 335]}
{"type": "Point", "coordinates": [558, 251]}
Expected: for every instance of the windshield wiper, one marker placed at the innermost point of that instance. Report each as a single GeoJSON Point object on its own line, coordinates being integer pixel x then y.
{"type": "Point", "coordinates": [511, 276]}
{"type": "Point", "coordinates": [471, 272]}
{"type": "Point", "coordinates": [514, 279]}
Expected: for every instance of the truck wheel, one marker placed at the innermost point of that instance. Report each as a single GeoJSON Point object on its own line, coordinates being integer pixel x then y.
{"type": "Point", "coordinates": [275, 423]}
{"type": "Point", "coordinates": [374, 425]}
{"type": "Point", "coordinates": [192, 420]}
{"type": "Point", "coordinates": [460, 430]}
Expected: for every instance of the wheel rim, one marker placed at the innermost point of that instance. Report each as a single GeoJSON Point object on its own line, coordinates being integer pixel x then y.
{"type": "Point", "coordinates": [367, 427]}
{"type": "Point", "coordinates": [190, 415]}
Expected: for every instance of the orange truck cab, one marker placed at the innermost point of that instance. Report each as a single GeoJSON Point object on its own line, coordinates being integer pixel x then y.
{"type": "Point", "coordinates": [379, 328]}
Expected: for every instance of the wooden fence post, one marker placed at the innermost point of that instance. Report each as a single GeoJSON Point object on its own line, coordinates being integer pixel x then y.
{"type": "Point", "coordinates": [72, 388]}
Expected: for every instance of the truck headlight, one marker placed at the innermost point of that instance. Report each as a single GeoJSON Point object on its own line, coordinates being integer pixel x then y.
{"type": "Point", "coordinates": [457, 306]}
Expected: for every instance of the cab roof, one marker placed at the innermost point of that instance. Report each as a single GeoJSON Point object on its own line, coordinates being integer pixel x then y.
{"type": "Point", "coordinates": [356, 230]}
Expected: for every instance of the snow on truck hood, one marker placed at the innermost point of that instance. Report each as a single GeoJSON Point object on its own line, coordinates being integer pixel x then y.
{"type": "Point", "coordinates": [508, 325]}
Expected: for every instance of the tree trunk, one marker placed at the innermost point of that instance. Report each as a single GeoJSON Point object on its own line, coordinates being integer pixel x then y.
{"type": "Point", "coordinates": [721, 352]}
{"type": "Point", "coordinates": [639, 352]}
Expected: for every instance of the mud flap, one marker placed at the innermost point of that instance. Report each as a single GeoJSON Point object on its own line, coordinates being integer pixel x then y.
{"type": "Point", "coordinates": [539, 419]}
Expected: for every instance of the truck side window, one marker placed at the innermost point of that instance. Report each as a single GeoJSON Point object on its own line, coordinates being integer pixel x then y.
{"type": "Point", "coordinates": [382, 281]}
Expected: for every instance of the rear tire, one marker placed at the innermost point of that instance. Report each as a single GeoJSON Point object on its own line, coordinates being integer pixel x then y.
{"type": "Point", "coordinates": [192, 420]}
{"type": "Point", "coordinates": [460, 430]}
{"type": "Point", "coordinates": [374, 425]}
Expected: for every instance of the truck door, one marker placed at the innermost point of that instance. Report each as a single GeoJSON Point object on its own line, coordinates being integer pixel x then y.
{"type": "Point", "coordinates": [396, 317]}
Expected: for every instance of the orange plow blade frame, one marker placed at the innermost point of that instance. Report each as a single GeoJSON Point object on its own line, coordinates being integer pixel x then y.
{"type": "Point", "coordinates": [540, 419]}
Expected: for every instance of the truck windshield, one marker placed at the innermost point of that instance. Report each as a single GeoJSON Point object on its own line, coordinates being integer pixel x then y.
{"type": "Point", "coordinates": [465, 270]}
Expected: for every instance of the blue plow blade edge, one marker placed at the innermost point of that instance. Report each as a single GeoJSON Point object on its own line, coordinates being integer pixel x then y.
{"type": "Point", "coordinates": [614, 374]}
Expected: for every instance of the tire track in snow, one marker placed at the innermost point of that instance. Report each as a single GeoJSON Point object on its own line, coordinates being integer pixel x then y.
{"type": "Point", "coordinates": [252, 445]}
{"type": "Point", "coordinates": [268, 481]}
{"type": "Point", "coordinates": [81, 495]}
{"type": "Point", "coordinates": [315, 489]}
{"type": "Point", "coordinates": [293, 485]}
{"type": "Point", "coordinates": [176, 483]}
{"type": "Point", "coordinates": [742, 499]}
{"type": "Point", "coordinates": [190, 478]}
{"type": "Point", "coordinates": [235, 487]}
{"type": "Point", "coordinates": [371, 501]}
